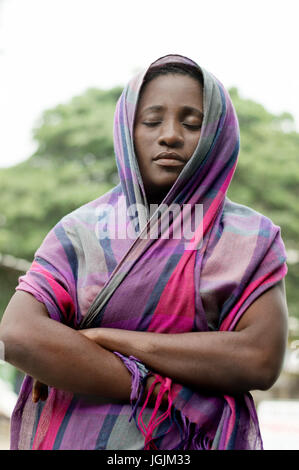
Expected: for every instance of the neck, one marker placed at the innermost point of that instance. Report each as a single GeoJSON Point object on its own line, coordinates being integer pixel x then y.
{"type": "Point", "coordinates": [156, 197]}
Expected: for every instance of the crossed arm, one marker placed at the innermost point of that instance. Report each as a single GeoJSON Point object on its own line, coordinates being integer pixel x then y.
{"type": "Point", "coordinates": [82, 362]}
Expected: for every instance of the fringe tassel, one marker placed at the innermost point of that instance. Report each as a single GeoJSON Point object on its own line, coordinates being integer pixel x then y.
{"type": "Point", "coordinates": [192, 437]}
{"type": "Point", "coordinates": [139, 374]}
{"type": "Point", "coordinates": [154, 422]}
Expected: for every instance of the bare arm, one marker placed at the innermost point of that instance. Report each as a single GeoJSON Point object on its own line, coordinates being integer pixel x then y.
{"type": "Point", "coordinates": [228, 362]}
{"type": "Point", "coordinates": [233, 362]}
{"type": "Point", "coordinates": [58, 355]}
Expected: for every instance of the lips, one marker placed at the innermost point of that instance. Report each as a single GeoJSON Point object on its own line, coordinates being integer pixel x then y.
{"type": "Point", "coordinates": [169, 159]}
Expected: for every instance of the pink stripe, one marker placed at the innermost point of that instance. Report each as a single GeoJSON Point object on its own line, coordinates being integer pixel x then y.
{"type": "Point", "coordinates": [162, 323]}
{"type": "Point", "coordinates": [210, 214]}
{"type": "Point", "coordinates": [205, 224]}
{"type": "Point", "coordinates": [154, 422]}
{"type": "Point", "coordinates": [63, 299]}
{"type": "Point", "coordinates": [232, 419]}
{"type": "Point", "coordinates": [52, 415]}
{"type": "Point", "coordinates": [180, 307]}
{"type": "Point", "coordinates": [266, 279]}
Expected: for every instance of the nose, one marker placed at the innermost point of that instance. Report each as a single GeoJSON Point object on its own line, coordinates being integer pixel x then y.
{"type": "Point", "coordinates": [171, 134]}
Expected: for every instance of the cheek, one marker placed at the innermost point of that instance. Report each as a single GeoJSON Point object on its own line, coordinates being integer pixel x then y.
{"type": "Point", "coordinates": [138, 139]}
{"type": "Point", "coordinates": [142, 144]}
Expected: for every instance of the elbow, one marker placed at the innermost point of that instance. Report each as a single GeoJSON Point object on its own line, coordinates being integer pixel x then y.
{"type": "Point", "coordinates": [267, 380]}
{"type": "Point", "coordinates": [268, 372]}
{"type": "Point", "coordinates": [5, 337]}
{"type": "Point", "coordinates": [2, 345]}
{"type": "Point", "coordinates": [22, 328]}
{"type": "Point", "coordinates": [11, 344]}
{"type": "Point", "coordinates": [5, 340]}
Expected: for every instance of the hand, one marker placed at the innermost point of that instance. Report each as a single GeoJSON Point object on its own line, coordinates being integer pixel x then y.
{"type": "Point", "coordinates": [115, 339]}
{"type": "Point", "coordinates": [90, 333]}
{"type": "Point", "coordinates": [152, 399]}
{"type": "Point", "coordinates": [39, 391]}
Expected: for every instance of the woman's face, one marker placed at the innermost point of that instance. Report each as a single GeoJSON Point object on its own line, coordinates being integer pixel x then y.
{"type": "Point", "coordinates": [167, 130]}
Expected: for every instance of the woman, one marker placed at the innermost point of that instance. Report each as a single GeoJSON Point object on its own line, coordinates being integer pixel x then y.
{"type": "Point", "coordinates": [157, 338]}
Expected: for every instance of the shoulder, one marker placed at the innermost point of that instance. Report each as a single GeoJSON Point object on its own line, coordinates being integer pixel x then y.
{"type": "Point", "coordinates": [244, 220]}
{"type": "Point", "coordinates": [89, 212]}
{"type": "Point", "coordinates": [79, 227]}
{"type": "Point", "coordinates": [84, 219]}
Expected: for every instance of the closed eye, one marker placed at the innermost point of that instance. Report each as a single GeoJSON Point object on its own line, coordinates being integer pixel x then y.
{"type": "Point", "coordinates": [151, 123]}
{"type": "Point", "coordinates": [192, 126]}
{"type": "Point", "coordinates": [156, 123]}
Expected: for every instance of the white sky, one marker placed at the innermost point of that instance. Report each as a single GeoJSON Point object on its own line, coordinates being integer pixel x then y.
{"type": "Point", "coordinates": [51, 50]}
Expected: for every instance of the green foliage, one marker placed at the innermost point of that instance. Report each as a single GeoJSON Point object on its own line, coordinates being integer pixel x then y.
{"type": "Point", "coordinates": [34, 199]}
{"type": "Point", "coordinates": [267, 175]}
{"type": "Point", "coordinates": [74, 163]}
{"type": "Point", "coordinates": [8, 281]}
{"type": "Point", "coordinates": [79, 131]}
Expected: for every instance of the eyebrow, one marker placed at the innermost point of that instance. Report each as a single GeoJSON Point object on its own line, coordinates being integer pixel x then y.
{"type": "Point", "coordinates": [185, 108]}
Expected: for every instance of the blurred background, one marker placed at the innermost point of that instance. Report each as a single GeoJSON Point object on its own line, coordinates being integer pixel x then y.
{"type": "Point", "coordinates": [62, 67]}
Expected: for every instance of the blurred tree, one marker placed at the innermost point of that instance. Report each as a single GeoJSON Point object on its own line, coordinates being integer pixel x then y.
{"type": "Point", "coordinates": [267, 176]}
{"type": "Point", "coordinates": [79, 131]}
{"type": "Point", "coordinates": [74, 163]}
{"type": "Point", "coordinates": [8, 280]}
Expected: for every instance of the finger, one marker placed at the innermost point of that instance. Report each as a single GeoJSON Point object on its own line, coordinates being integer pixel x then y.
{"type": "Point", "coordinates": [35, 391]}
{"type": "Point", "coordinates": [39, 391]}
{"type": "Point", "coordinates": [44, 393]}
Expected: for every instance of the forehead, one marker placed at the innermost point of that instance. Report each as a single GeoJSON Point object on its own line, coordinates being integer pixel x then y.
{"type": "Point", "coordinates": [172, 89]}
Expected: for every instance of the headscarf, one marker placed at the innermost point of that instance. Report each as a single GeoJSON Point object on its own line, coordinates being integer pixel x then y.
{"type": "Point", "coordinates": [89, 277]}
